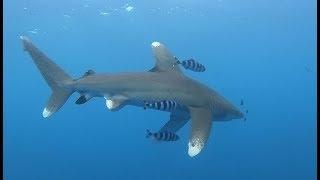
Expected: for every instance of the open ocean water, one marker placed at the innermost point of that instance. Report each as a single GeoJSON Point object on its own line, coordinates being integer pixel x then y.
{"type": "Point", "coordinates": [261, 51]}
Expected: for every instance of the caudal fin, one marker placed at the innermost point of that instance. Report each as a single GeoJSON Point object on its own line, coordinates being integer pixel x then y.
{"type": "Point", "coordinates": [58, 80]}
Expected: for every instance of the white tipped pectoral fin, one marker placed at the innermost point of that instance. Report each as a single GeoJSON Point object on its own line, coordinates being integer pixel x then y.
{"type": "Point", "coordinates": [194, 149]}
{"type": "Point", "coordinates": [115, 103]}
{"type": "Point", "coordinates": [165, 61]}
{"type": "Point", "coordinates": [200, 129]}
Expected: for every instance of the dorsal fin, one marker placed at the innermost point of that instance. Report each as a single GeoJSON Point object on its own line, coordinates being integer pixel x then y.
{"type": "Point", "coordinates": [165, 61]}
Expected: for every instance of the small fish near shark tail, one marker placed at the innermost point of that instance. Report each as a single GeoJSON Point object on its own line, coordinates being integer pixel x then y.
{"type": "Point", "coordinates": [58, 80]}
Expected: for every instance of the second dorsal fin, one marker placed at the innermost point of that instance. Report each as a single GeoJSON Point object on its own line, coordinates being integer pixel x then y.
{"type": "Point", "coordinates": [88, 73]}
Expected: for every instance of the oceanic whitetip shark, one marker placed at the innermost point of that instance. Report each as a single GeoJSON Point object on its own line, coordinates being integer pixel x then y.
{"type": "Point", "coordinates": [164, 82]}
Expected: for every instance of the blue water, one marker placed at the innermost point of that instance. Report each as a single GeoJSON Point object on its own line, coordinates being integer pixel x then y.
{"type": "Point", "coordinates": [261, 51]}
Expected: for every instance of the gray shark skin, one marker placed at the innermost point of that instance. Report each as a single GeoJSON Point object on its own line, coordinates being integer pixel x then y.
{"type": "Point", "coordinates": [164, 82]}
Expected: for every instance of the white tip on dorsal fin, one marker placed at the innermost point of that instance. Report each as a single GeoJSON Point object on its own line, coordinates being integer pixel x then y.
{"type": "Point", "coordinates": [165, 61]}
{"type": "Point", "coordinates": [156, 44]}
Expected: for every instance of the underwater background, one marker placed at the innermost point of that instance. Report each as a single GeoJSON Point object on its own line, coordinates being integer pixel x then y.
{"type": "Point", "coordinates": [261, 51]}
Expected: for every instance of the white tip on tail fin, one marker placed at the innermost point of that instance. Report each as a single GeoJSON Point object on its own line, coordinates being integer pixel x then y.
{"type": "Point", "coordinates": [58, 80]}
{"type": "Point", "coordinates": [56, 101]}
{"type": "Point", "coordinates": [46, 113]}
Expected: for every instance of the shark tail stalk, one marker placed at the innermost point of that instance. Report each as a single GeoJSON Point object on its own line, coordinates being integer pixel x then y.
{"type": "Point", "coordinates": [58, 80]}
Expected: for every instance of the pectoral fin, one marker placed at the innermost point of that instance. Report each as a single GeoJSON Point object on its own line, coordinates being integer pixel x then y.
{"type": "Point", "coordinates": [200, 129]}
{"type": "Point", "coordinates": [177, 120]}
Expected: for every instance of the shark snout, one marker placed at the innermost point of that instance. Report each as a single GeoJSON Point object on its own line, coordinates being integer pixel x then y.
{"type": "Point", "coordinates": [236, 114]}
{"type": "Point", "coordinates": [240, 114]}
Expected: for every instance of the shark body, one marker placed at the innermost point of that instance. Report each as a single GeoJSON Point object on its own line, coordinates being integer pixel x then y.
{"type": "Point", "coordinates": [164, 82]}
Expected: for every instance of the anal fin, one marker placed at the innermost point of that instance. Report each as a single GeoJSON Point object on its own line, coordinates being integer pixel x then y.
{"type": "Point", "coordinates": [83, 99]}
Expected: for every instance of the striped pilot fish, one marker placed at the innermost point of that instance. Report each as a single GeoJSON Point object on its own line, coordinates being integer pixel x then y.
{"type": "Point", "coordinates": [162, 136]}
{"type": "Point", "coordinates": [192, 65]}
{"type": "Point", "coordinates": [162, 105]}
